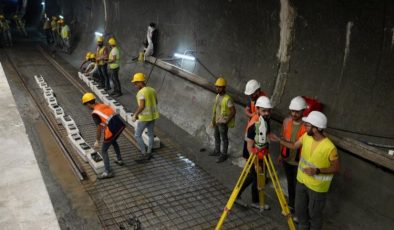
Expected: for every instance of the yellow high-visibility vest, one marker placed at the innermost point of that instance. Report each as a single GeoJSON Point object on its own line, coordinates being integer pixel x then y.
{"type": "Point", "coordinates": [150, 111]}
{"type": "Point", "coordinates": [115, 64]}
{"type": "Point", "coordinates": [319, 158]}
{"type": "Point", "coordinates": [224, 110]}
{"type": "Point", "coordinates": [65, 32]}
{"type": "Point", "coordinates": [101, 53]}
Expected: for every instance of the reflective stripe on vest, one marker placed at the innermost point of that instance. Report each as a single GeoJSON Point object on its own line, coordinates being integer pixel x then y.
{"type": "Point", "coordinates": [224, 110]}
{"type": "Point", "coordinates": [150, 111]}
{"type": "Point", "coordinates": [319, 158]}
{"type": "Point", "coordinates": [324, 177]}
{"type": "Point", "coordinates": [287, 132]}
{"type": "Point", "coordinates": [105, 113]}
{"type": "Point", "coordinates": [115, 64]}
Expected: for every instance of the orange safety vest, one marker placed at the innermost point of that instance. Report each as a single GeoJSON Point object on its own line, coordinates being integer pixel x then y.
{"type": "Point", "coordinates": [105, 113]}
{"type": "Point", "coordinates": [286, 132]}
{"type": "Point", "coordinates": [253, 110]}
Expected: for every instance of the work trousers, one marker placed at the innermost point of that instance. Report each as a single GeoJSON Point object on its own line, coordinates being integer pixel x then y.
{"type": "Point", "coordinates": [66, 45]}
{"type": "Point", "coordinates": [140, 127]}
{"type": "Point", "coordinates": [102, 70]}
{"type": "Point", "coordinates": [48, 36]}
{"type": "Point", "coordinates": [251, 179]}
{"type": "Point", "coordinates": [291, 176]}
{"type": "Point", "coordinates": [115, 80]}
{"type": "Point", "coordinates": [309, 208]}
{"type": "Point", "coordinates": [7, 38]}
{"type": "Point", "coordinates": [104, 152]}
{"type": "Point", "coordinates": [221, 135]}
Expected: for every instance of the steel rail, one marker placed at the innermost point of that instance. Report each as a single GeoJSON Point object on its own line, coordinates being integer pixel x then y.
{"type": "Point", "coordinates": [75, 166]}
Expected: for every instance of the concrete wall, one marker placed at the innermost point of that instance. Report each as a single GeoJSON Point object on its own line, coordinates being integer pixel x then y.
{"type": "Point", "coordinates": [340, 52]}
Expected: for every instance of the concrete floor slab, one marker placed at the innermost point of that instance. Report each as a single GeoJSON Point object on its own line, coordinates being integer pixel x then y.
{"type": "Point", "coordinates": [25, 202]}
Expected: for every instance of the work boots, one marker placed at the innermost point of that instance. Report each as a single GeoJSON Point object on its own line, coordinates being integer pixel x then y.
{"type": "Point", "coordinates": [223, 157]}
{"type": "Point", "coordinates": [105, 175]}
{"type": "Point", "coordinates": [143, 158]}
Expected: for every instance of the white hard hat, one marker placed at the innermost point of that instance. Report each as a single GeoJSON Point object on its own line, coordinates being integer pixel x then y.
{"type": "Point", "coordinates": [264, 102]}
{"type": "Point", "coordinates": [317, 119]}
{"type": "Point", "coordinates": [251, 87]}
{"type": "Point", "coordinates": [297, 104]}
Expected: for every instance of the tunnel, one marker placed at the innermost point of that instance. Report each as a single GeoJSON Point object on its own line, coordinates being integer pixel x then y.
{"type": "Point", "coordinates": [337, 54]}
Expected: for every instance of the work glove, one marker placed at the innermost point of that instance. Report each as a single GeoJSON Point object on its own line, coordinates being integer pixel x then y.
{"type": "Point", "coordinates": [96, 144]}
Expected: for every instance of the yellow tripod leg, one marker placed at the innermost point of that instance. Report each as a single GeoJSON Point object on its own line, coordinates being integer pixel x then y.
{"type": "Point", "coordinates": [260, 171]}
{"type": "Point", "coordinates": [237, 188]}
{"type": "Point", "coordinates": [279, 191]}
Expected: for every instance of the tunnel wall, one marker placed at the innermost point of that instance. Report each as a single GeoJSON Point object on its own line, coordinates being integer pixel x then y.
{"type": "Point", "coordinates": [339, 52]}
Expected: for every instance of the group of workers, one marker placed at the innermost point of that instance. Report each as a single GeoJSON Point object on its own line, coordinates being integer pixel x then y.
{"type": "Point", "coordinates": [308, 157]}
{"type": "Point", "coordinates": [58, 33]}
{"type": "Point", "coordinates": [109, 122]}
{"type": "Point", "coordinates": [5, 29]}
{"type": "Point", "coordinates": [96, 65]}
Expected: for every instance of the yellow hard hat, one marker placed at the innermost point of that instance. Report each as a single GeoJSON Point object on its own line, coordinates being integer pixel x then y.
{"type": "Point", "coordinates": [88, 55]}
{"type": "Point", "coordinates": [138, 77]}
{"type": "Point", "coordinates": [1, 16]}
{"type": "Point", "coordinates": [220, 82]}
{"type": "Point", "coordinates": [54, 17]}
{"type": "Point", "coordinates": [92, 56]}
{"type": "Point", "coordinates": [15, 16]}
{"type": "Point", "coordinates": [100, 39]}
{"type": "Point", "coordinates": [88, 97]}
{"type": "Point", "coordinates": [112, 41]}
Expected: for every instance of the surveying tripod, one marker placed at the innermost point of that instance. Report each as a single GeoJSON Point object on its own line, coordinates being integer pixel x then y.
{"type": "Point", "coordinates": [260, 170]}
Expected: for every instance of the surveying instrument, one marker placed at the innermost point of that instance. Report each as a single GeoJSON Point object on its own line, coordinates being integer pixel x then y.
{"type": "Point", "coordinates": [254, 158]}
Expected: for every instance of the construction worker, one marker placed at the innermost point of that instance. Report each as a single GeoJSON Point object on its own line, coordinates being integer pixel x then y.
{"type": "Point", "coordinates": [47, 30]}
{"type": "Point", "coordinates": [114, 64]}
{"type": "Point", "coordinates": [151, 39]}
{"type": "Point", "coordinates": [292, 129]}
{"type": "Point", "coordinates": [85, 62]}
{"type": "Point", "coordinates": [109, 122]}
{"type": "Point", "coordinates": [146, 114]}
{"type": "Point", "coordinates": [20, 24]}
{"type": "Point", "coordinates": [223, 118]}
{"type": "Point", "coordinates": [5, 31]}
{"type": "Point", "coordinates": [318, 163]}
{"type": "Point", "coordinates": [65, 35]}
{"type": "Point", "coordinates": [91, 69]}
{"type": "Point", "coordinates": [53, 29]}
{"type": "Point", "coordinates": [58, 33]}
{"type": "Point", "coordinates": [102, 57]}
{"type": "Point", "coordinates": [253, 91]}
{"type": "Point", "coordinates": [257, 139]}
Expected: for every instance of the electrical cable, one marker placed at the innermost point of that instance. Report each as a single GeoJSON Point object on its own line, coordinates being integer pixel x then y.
{"type": "Point", "coordinates": [153, 66]}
